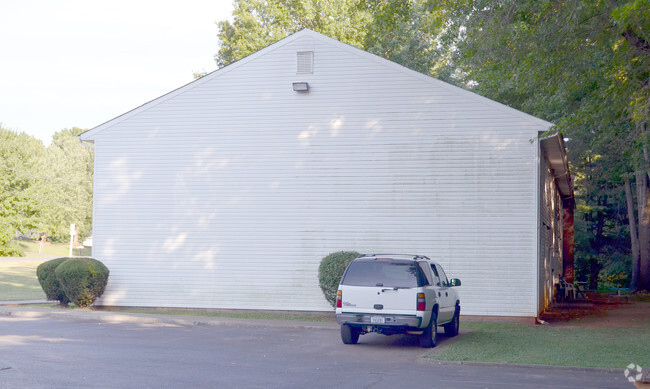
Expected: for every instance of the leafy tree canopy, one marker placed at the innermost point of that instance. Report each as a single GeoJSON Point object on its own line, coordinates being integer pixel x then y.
{"type": "Point", "coordinates": [44, 189]}
{"type": "Point", "coordinates": [258, 23]}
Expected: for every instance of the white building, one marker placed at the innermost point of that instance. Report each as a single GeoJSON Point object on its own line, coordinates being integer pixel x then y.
{"type": "Point", "coordinates": [227, 192]}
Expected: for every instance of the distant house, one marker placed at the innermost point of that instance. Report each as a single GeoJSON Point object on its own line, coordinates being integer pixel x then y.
{"type": "Point", "coordinates": [227, 192]}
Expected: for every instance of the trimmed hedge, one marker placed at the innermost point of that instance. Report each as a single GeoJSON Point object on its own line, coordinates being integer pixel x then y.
{"type": "Point", "coordinates": [49, 282]}
{"type": "Point", "coordinates": [77, 280]}
{"type": "Point", "coordinates": [82, 279]}
{"type": "Point", "coordinates": [331, 270]}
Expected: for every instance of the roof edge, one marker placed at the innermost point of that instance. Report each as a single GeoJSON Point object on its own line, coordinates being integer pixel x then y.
{"type": "Point", "coordinates": [543, 124]}
{"type": "Point", "coordinates": [89, 134]}
{"type": "Point", "coordinates": [451, 87]}
{"type": "Point", "coordinates": [555, 151]}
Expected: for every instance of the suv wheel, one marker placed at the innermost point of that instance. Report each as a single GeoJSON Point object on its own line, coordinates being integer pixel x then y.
{"type": "Point", "coordinates": [452, 328]}
{"type": "Point", "coordinates": [349, 335]}
{"type": "Point", "coordinates": [429, 337]}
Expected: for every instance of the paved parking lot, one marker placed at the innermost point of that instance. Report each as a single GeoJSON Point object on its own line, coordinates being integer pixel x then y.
{"type": "Point", "coordinates": [101, 349]}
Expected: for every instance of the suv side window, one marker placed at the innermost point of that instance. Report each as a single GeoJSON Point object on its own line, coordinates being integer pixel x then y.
{"type": "Point", "coordinates": [443, 276]}
{"type": "Point", "coordinates": [426, 274]}
{"type": "Point", "coordinates": [436, 277]}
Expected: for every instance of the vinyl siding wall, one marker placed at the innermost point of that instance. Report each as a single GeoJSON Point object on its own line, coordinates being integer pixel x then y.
{"type": "Point", "coordinates": [228, 192]}
{"type": "Point", "coordinates": [550, 264]}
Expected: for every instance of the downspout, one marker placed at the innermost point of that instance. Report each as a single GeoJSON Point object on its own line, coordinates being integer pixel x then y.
{"type": "Point", "coordinates": [537, 226]}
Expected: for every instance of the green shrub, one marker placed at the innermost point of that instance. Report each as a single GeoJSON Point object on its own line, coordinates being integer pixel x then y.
{"type": "Point", "coordinates": [82, 279]}
{"type": "Point", "coordinates": [331, 270]}
{"type": "Point", "coordinates": [49, 282]}
{"type": "Point", "coordinates": [8, 247]}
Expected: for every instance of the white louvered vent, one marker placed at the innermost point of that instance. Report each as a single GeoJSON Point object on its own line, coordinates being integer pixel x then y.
{"type": "Point", "coordinates": [305, 62]}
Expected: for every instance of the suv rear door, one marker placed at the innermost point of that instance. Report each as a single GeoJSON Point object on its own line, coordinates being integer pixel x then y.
{"type": "Point", "coordinates": [376, 285]}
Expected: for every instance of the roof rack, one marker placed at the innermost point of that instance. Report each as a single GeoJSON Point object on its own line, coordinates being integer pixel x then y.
{"type": "Point", "coordinates": [413, 256]}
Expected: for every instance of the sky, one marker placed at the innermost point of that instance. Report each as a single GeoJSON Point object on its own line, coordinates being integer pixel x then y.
{"type": "Point", "coordinates": [80, 63]}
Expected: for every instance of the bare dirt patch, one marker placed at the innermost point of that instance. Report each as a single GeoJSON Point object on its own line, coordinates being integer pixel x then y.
{"type": "Point", "coordinates": [599, 311]}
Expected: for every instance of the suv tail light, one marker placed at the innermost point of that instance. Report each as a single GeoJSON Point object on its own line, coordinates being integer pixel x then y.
{"type": "Point", "coordinates": [422, 302]}
{"type": "Point", "coordinates": [339, 296]}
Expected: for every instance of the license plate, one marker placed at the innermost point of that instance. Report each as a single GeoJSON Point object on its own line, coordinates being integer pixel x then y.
{"type": "Point", "coordinates": [377, 320]}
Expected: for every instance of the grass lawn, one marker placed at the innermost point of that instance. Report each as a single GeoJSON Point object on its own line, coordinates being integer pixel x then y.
{"type": "Point", "coordinates": [604, 347]}
{"type": "Point", "coordinates": [237, 315]}
{"type": "Point", "coordinates": [59, 249]}
{"type": "Point", "coordinates": [18, 280]}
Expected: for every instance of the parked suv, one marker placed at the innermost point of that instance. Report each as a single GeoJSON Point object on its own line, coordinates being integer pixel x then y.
{"type": "Point", "coordinates": [397, 294]}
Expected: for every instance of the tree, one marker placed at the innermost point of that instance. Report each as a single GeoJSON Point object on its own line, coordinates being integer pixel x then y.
{"type": "Point", "coordinates": [584, 66]}
{"type": "Point", "coordinates": [20, 154]}
{"type": "Point", "coordinates": [408, 32]}
{"type": "Point", "coordinates": [258, 23]}
{"type": "Point", "coordinates": [69, 186]}
{"type": "Point", "coordinates": [44, 190]}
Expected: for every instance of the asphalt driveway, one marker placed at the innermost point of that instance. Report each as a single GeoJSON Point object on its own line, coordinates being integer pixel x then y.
{"type": "Point", "coordinates": [41, 349]}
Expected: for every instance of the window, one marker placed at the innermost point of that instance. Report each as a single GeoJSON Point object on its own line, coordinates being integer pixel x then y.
{"type": "Point", "coordinates": [426, 274]}
{"type": "Point", "coordinates": [443, 276]}
{"type": "Point", "coordinates": [388, 274]}
{"type": "Point", "coordinates": [436, 277]}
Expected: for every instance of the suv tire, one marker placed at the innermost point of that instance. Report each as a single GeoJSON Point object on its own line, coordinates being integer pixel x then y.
{"type": "Point", "coordinates": [349, 335]}
{"type": "Point", "coordinates": [429, 337]}
{"type": "Point", "coordinates": [452, 328]}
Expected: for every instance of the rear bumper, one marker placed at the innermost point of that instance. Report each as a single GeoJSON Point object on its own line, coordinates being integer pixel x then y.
{"type": "Point", "coordinates": [364, 319]}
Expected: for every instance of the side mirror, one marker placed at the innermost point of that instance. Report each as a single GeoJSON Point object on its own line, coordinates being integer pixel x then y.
{"type": "Point", "coordinates": [455, 282]}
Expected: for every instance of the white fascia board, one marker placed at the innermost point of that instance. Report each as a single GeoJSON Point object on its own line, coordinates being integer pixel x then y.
{"type": "Point", "coordinates": [554, 151]}
{"type": "Point", "coordinates": [90, 134]}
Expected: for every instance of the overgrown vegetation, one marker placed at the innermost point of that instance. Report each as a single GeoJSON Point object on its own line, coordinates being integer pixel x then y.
{"type": "Point", "coordinates": [331, 270]}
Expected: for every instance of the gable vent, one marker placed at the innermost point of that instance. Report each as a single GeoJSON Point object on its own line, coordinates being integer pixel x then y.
{"type": "Point", "coordinates": [305, 62]}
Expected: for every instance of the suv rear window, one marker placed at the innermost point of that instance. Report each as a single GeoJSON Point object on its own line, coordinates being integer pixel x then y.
{"type": "Point", "coordinates": [393, 273]}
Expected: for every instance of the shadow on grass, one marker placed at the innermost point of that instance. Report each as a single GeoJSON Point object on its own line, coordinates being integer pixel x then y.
{"type": "Point", "coordinates": [18, 281]}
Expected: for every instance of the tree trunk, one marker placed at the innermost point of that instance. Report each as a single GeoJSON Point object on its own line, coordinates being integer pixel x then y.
{"type": "Point", "coordinates": [636, 41]}
{"type": "Point", "coordinates": [634, 237]}
{"type": "Point", "coordinates": [644, 230]}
